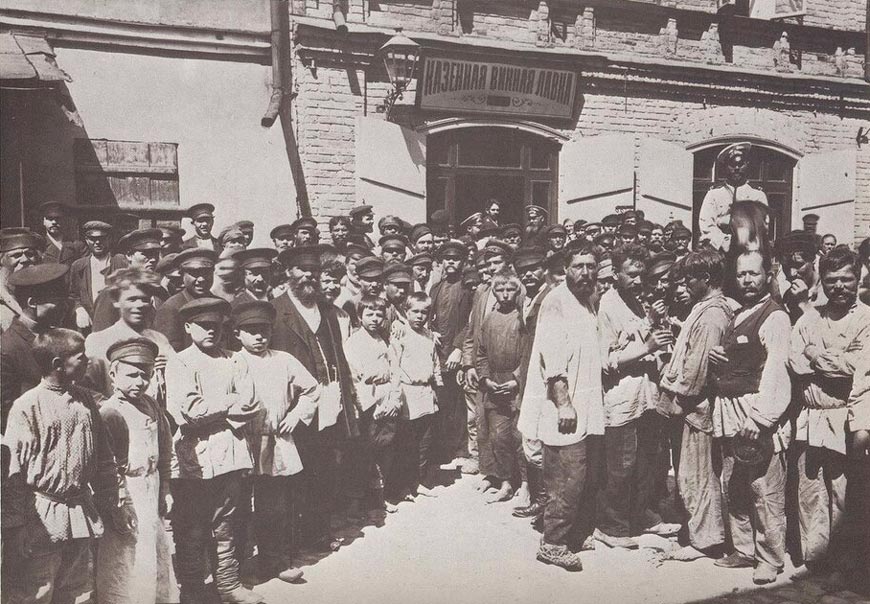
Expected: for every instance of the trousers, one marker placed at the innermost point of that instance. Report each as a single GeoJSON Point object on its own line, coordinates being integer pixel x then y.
{"type": "Point", "coordinates": [413, 452]}
{"type": "Point", "coordinates": [565, 475]}
{"type": "Point", "coordinates": [821, 499]}
{"type": "Point", "coordinates": [756, 506]}
{"type": "Point", "coordinates": [54, 573]}
{"type": "Point", "coordinates": [699, 487]}
{"type": "Point", "coordinates": [498, 444]}
{"type": "Point", "coordinates": [204, 521]}
{"type": "Point", "coordinates": [274, 511]}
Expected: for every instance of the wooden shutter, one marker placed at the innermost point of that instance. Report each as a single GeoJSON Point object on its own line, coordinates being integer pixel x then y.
{"type": "Point", "coordinates": [391, 169]}
{"type": "Point", "coordinates": [826, 186]}
{"type": "Point", "coordinates": [664, 182]}
{"type": "Point", "coordinates": [596, 175]}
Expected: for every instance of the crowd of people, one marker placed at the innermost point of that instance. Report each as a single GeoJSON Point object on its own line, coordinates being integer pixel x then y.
{"type": "Point", "coordinates": [590, 373]}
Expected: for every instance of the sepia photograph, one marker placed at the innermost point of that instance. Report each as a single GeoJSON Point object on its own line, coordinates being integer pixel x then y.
{"type": "Point", "coordinates": [435, 301]}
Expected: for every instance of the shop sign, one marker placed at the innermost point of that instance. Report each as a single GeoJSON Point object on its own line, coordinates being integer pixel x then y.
{"type": "Point", "coordinates": [496, 88]}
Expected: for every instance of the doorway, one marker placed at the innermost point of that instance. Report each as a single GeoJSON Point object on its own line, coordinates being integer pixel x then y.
{"type": "Point", "coordinates": [468, 166]}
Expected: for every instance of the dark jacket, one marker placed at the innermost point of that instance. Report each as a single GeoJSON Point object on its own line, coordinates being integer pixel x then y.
{"type": "Point", "coordinates": [168, 320]}
{"type": "Point", "coordinates": [80, 280]}
{"type": "Point", "coordinates": [18, 370]}
{"type": "Point", "coordinates": [67, 254]}
{"type": "Point", "coordinates": [450, 329]}
{"type": "Point", "coordinates": [191, 242]}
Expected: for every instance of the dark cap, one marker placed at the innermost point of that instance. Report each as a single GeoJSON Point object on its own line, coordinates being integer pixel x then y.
{"type": "Point", "coordinates": [389, 242]}
{"type": "Point", "coordinates": [168, 265]}
{"type": "Point", "coordinates": [419, 230]}
{"type": "Point", "coordinates": [645, 227]}
{"type": "Point", "coordinates": [370, 266]}
{"type": "Point", "coordinates": [282, 230]}
{"type": "Point", "coordinates": [398, 273]}
{"type": "Point", "coordinates": [610, 220]}
{"type": "Point", "coordinates": [488, 226]}
{"type": "Point", "coordinates": [604, 239]}
{"type": "Point", "coordinates": [528, 257]}
{"type": "Point", "coordinates": [141, 239]}
{"type": "Point", "coordinates": [556, 229]}
{"type": "Point", "coordinates": [256, 257]}
{"type": "Point", "coordinates": [46, 276]}
{"type": "Point", "coordinates": [255, 312]}
{"type": "Point", "coordinates": [681, 231]}
{"type": "Point", "coordinates": [306, 222]}
{"type": "Point", "coordinates": [511, 228]}
{"type": "Point", "coordinates": [97, 227]}
{"type": "Point", "coordinates": [494, 247]}
{"type": "Point", "coordinates": [200, 209]}
{"type": "Point", "coordinates": [627, 229]}
{"type": "Point", "coordinates": [660, 264]}
{"type": "Point", "coordinates": [196, 257]}
{"type": "Point", "coordinates": [392, 221]}
{"type": "Point", "coordinates": [731, 150]}
{"type": "Point", "coordinates": [534, 209]}
{"type": "Point", "coordinates": [52, 208]}
{"type": "Point", "coordinates": [470, 220]}
{"type": "Point", "coordinates": [579, 224]}
{"type": "Point", "coordinates": [421, 259]}
{"type": "Point", "coordinates": [470, 276]}
{"type": "Point", "coordinates": [555, 262]}
{"type": "Point", "coordinates": [811, 222]}
{"type": "Point", "coordinates": [17, 238]}
{"type": "Point", "coordinates": [796, 241]}
{"type": "Point", "coordinates": [360, 211]}
{"type": "Point", "coordinates": [629, 214]}
{"type": "Point", "coordinates": [439, 220]}
{"type": "Point", "coordinates": [135, 351]}
{"type": "Point", "coordinates": [306, 257]}
{"type": "Point", "coordinates": [171, 232]}
{"type": "Point", "coordinates": [231, 233]}
{"type": "Point", "coordinates": [356, 249]}
{"type": "Point", "coordinates": [205, 310]}
{"type": "Point", "coordinates": [452, 247]}
{"type": "Point", "coordinates": [246, 225]}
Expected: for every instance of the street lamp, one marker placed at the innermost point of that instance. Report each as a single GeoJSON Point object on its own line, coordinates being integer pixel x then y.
{"type": "Point", "coordinates": [400, 55]}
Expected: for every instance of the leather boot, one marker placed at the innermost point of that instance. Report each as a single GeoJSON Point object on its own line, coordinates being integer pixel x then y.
{"type": "Point", "coordinates": [539, 496]}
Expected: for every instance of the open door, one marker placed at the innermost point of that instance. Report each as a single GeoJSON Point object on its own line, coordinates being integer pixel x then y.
{"type": "Point", "coordinates": [664, 182]}
{"type": "Point", "coordinates": [826, 186]}
{"type": "Point", "coordinates": [391, 169]}
{"type": "Point", "coordinates": [596, 175]}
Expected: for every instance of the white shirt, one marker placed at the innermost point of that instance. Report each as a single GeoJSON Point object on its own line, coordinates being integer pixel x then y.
{"type": "Point", "coordinates": [206, 243]}
{"type": "Point", "coordinates": [98, 277]}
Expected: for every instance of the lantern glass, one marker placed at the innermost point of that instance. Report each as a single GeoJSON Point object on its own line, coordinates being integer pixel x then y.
{"type": "Point", "coordinates": [400, 58]}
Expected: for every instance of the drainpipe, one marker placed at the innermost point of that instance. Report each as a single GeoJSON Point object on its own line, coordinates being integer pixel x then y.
{"type": "Point", "coordinates": [282, 95]}
{"type": "Point", "coordinates": [867, 43]}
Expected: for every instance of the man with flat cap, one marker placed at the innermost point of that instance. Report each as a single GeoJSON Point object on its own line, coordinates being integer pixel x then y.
{"type": "Point", "coordinates": [393, 248]}
{"type": "Point", "coordinates": [714, 220]}
{"type": "Point", "coordinates": [202, 217]}
{"type": "Point", "coordinates": [282, 237]}
{"type": "Point", "coordinates": [795, 279]}
{"type": "Point", "coordinates": [369, 272]}
{"type": "Point", "coordinates": [256, 266]}
{"type": "Point", "coordinates": [197, 270]}
{"type": "Point", "coordinates": [172, 239]}
{"type": "Point", "coordinates": [610, 223]}
{"type": "Point", "coordinates": [233, 238]}
{"type": "Point", "coordinates": [247, 227]}
{"type": "Point", "coordinates": [87, 275]}
{"type": "Point", "coordinates": [141, 249]}
{"type": "Point", "coordinates": [536, 221]}
{"type": "Point", "coordinates": [307, 327]}
{"type": "Point", "coordinates": [56, 248]}
{"type": "Point", "coordinates": [19, 248]}
{"type": "Point", "coordinates": [390, 225]}
{"type": "Point", "coordinates": [557, 237]}
{"type": "Point", "coordinates": [421, 270]}
{"type": "Point", "coordinates": [421, 238]}
{"type": "Point", "coordinates": [512, 234]}
{"type": "Point", "coordinates": [305, 231]}
{"type": "Point", "coordinates": [397, 285]}
{"type": "Point", "coordinates": [41, 294]}
{"type": "Point", "coordinates": [362, 219]}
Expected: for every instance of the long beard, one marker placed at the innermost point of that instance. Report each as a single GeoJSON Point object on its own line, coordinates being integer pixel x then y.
{"type": "Point", "coordinates": [304, 292]}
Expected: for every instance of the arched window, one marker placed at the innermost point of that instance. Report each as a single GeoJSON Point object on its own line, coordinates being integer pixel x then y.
{"type": "Point", "coordinates": [769, 170]}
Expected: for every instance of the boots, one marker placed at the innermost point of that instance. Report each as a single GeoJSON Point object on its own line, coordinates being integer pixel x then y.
{"type": "Point", "coordinates": [539, 496]}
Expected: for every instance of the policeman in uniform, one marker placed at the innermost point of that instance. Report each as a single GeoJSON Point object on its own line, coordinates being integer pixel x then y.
{"type": "Point", "coordinates": [714, 220]}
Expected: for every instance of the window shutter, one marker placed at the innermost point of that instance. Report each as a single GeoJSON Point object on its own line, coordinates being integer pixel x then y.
{"type": "Point", "coordinates": [391, 169]}
{"type": "Point", "coordinates": [826, 186]}
{"type": "Point", "coordinates": [596, 175]}
{"type": "Point", "coordinates": [665, 182]}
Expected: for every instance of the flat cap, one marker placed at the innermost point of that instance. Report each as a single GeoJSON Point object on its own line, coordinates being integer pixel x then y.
{"type": "Point", "coordinates": [141, 239]}
{"type": "Point", "coordinates": [14, 238]}
{"type": "Point", "coordinates": [627, 229]}
{"type": "Point", "coordinates": [593, 225]}
{"type": "Point", "coordinates": [356, 249]}
{"type": "Point", "coordinates": [200, 209]}
{"type": "Point", "coordinates": [494, 247]}
{"type": "Point", "coordinates": [392, 221]}
{"type": "Point", "coordinates": [453, 248]}
{"type": "Point", "coordinates": [629, 214]}
{"type": "Point", "coordinates": [135, 351]}
{"type": "Point", "coordinates": [421, 259]}
{"type": "Point", "coordinates": [488, 226]}
{"type": "Point", "coordinates": [393, 242]}
{"type": "Point", "coordinates": [360, 211]}
{"type": "Point", "coordinates": [796, 241]}
{"type": "Point", "coordinates": [171, 232]}
{"type": "Point", "coordinates": [556, 229]}
{"type": "Point", "coordinates": [470, 220]}
{"type": "Point", "coordinates": [512, 228]}
{"type": "Point", "coordinates": [284, 231]}
{"type": "Point", "coordinates": [306, 257]}
{"type": "Point", "coordinates": [579, 224]}
{"type": "Point", "coordinates": [681, 232]}
{"type": "Point", "coordinates": [660, 264]}
{"type": "Point", "coordinates": [604, 239]}
{"type": "Point", "coordinates": [610, 220]}
{"type": "Point", "coordinates": [256, 257]}
{"type": "Point", "coordinates": [231, 233]}
{"type": "Point", "coordinates": [48, 275]}
{"type": "Point", "coordinates": [205, 310]}
{"type": "Point", "coordinates": [533, 209]}
{"type": "Point", "coordinates": [418, 231]}
{"type": "Point", "coordinates": [555, 262]}
{"type": "Point", "coordinates": [398, 273]}
{"type": "Point", "coordinates": [196, 257]}
{"type": "Point", "coordinates": [255, 312]}
{"type": "Point", "coordinates": [96, 227]}
{"type": "Point", "coordinates": [305, 222]}
{"type": "Point", "coordinates": [645, 227]}
{"type": "Point", "coordinates": [371, 267]}
{"type": "Point", "coordinates": [52, 208]}
{"type": "Point", "coordinates": [246, 225]}
{"type": "Point", "coordinates": [528, 257]}
{"type": "Point", "coordinates": [168, 265]}
{"type": "Point", "coordinates": [439, 220]}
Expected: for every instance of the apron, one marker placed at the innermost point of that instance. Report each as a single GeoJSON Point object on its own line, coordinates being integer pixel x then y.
{"type": "Point", "coordinates": [137, 568]}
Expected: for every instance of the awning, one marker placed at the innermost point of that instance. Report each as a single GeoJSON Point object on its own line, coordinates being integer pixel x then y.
{"type": "Point", "coordinates": [29, 60]}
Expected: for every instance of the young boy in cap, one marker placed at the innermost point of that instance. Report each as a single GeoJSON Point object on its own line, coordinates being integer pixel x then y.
{"type": "Point", "coordinates": [197, 270]}
{"type": "Point", "coordinates": [202, 217]}
{"type": "Point", "coordinates": [211, 401]}
{"type": "Point", "coordinates": [367, 351]}
{"type": "Point", "coordinates": [137, 566]}
{"type": "Point", "coordinates": [397, 285]}
{"type": "Point", "coordinates": [416, 373]}
{"type": "Point", "coordinates": [287, 395]}
{"type": "Point", "coordinates": [62, 480]}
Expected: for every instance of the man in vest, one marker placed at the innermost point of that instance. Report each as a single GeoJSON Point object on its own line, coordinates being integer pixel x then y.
{"type": "Point", "coordinates": [753, 393]}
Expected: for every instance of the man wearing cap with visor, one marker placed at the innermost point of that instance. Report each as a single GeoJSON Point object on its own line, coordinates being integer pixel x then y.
{"type": "Point", "coordinates": [202, 217]}
{"type": "Point", "coordinates": [19, 248]}
{"type": "Point", "coordinates": [363, 221]}
{"type": "Point", "coordinates": [87, 275]}
{"type": "Point", "coordinates": [397, 285]}
{"type": "Point", "coordinates": [305, 231]}
{"type": "Point", "coordinates": [56, 249]}
{"type": "Point", "coordinates": [197, 270]}
{"type": "Point", "coordinates": [795, 280]}
{"type": "Point", "coordinates": [256, 267]}
{"type": "Point", "coordinates": [714, 220]}
{"type": "Point", "coordinates": [393, 248]}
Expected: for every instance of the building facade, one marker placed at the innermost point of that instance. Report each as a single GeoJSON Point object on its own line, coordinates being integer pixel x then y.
{"type": "Point", "coordinates": [586, 107]}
